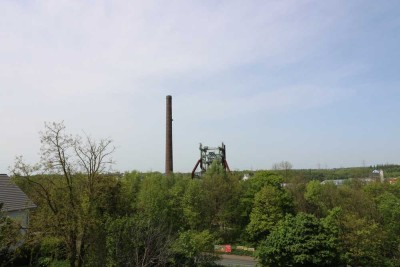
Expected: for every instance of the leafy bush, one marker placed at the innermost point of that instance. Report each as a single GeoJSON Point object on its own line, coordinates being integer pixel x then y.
{"type": "Point", "coordinates": [10, 239]}
{"type": "Point", "coordinates": [300, 240]}
{"type": "Point", "coordinates": [194, 249]}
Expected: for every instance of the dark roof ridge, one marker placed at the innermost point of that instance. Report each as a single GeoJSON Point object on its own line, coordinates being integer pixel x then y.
{"type": "Point", "coordinates": [12, 196]}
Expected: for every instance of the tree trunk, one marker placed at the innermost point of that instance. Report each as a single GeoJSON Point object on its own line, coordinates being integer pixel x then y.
{"type": "Point", "coordinates": [82, 251]}
{"type": "Point", "coordinates": [72, 259]}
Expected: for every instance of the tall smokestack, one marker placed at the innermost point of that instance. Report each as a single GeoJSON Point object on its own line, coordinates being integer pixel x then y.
{"type": "Point", "coordinates": [168, 143]}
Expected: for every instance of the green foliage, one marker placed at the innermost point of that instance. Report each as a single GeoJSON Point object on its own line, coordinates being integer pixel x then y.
{"type": "Point", "coordinates": [387, 198]}
{"type": "Point", "coordinates": [177, 217]}
{"type": "Point", "coordinates": [130, 186]}
{"type": "Point", "coordinates": [270, 206]}
{"type": "Point", "coordinates": [331, 174]}
{"type": "Point", "coordinates": [350, 197]}
{"type": "Point", "coordinates": [322, 197]}
{"type": "Point", "coordinates": [390, 170]}
{"type": "Point", "coordinates": [153, 197]}
{"type": "Point", "coordinates": [178, 185]}
{"type": "Point", "coordinates": [70, 187]}
{"type": "Point", "coordinates": [262, 178]}
{"type": "Point", "coordinates": [52, 247]}
{"type": "Point", "coordinates": [297, 188]}
{"type": "Point", "coordinates": [300, 240]}
{"type": "Point", "coordinates": [138, 219]}
{"type": "Point", "coordinates": [137, 241]}
{"type": "Point", "coordinates": [10, 239]}
{"type": "Point", "coordinates": [219, 201]}
{"type": "Point", "coordinates": [194, 203]}
{"type": "Point", "coordinates": [360, 241]}
{"type": "Point", "coordinates": [193, 248]}
{"type": "Point", "coordinates": [389, 207]}
{"type": "Point", "coordinates": [249, 188]}
{"type": "Point", "coordinates": [59, 264]}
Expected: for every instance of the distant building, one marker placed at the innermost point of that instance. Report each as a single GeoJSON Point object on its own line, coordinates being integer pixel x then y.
{"type": "Point", "coordinates": [16, 203]}
{"type": "Point", "coordinates": [246, 176]}
{"type": "Point", "coordinates": [335, 182]}
{"type": "Point", "coordinates": [378, 174]}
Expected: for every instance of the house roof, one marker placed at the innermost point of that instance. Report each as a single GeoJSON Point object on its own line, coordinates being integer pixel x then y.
{"type": "Point", "coordinates": [12, 196]}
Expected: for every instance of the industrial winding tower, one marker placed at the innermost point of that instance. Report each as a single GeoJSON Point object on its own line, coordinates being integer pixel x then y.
{"type": "Point", "coordinates": [208, 155]}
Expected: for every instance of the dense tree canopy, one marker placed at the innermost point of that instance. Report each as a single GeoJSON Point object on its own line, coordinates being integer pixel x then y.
{"type": "Point", "coordinates": [270, 206]}
{"type": "Point", "coordinates": [88, 215]}
{"type": "Point", "coordinates": [301, 240]}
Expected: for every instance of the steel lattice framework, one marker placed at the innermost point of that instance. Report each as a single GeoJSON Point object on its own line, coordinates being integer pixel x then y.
{"type": "Point", "coordinates": [208, 155]}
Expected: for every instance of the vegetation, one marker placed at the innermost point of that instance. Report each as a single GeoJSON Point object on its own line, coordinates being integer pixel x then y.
{"type": "Point", "coordinates": [10, 237]}
{"type": "Point", "coordinates": [301, 240]}
{"type": "Point", "coordinates": [284, 169]}
{"type": "Point", "coordinates": [88, 215]}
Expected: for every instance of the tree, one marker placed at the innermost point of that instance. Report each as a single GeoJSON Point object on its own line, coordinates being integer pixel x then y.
{"type": "Point", "coordinates": [137, 241]}
{"type": "Point", "coordinates": [194, 202]}
{"type": "Point", "coordinates": [388, 202]}
{"type": "Point", "coordinates": [360, 241]}
{"type": "Point", "coordinates": [321, 197]}
{"type": "Point", "coordinates": [300, 240]}
{"type": "Point", "coordinates": [286, 166]}
{"type": "Point", "coordinates": [283, 165]}
{"type": "Point", "coordinates": [66, 183]}
{"type": "Point", "coordinates": [153, 197]}
{"type": "Point", "coordinates": [10, 238]}
{"type": "Point", "coordinates": [130, 184]}
{"type": "Point", "coordinates": [253, 185]}
{"type": "Point", "coordinates": [221, 192]}
{"type": "Point", "coordinates": [271, 204]}
{"type": "Point", "coordinates": [297, 187]}
{"type": "Point", "coordinates": [193, 248]}
{"type": "Point", "coordinates": [350, 197]}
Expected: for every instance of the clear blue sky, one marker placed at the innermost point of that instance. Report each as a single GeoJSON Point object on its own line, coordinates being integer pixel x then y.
{"type": "Point", "coordinates": [310, 82]}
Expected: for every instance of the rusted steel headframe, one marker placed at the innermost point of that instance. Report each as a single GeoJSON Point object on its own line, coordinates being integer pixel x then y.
{"type": "Point", "coordinates": [208, 155]}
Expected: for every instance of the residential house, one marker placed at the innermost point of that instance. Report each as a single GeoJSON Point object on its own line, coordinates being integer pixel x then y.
{"type": "Point", "coordinates": [15, 203]}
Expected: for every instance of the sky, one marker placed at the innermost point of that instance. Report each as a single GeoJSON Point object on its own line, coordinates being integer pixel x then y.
{"type": "Point", "coordinates": [315, 83]}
